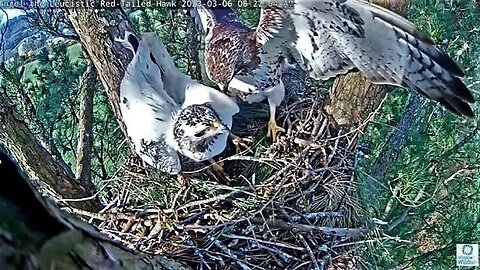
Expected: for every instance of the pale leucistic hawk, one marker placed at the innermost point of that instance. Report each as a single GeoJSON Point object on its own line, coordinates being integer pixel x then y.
{"type": "Point", "coordinates": [166, 112]}
{"type": "Point", "coordinates": [327, 38]}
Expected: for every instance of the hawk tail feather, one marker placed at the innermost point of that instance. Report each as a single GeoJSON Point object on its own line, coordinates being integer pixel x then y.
{"type": "Point", "coordinates": [433, 76]}
{"type": "Point", "coordinates": [334, 37]}
{"type": "Point", "coordinates": [429, 70]}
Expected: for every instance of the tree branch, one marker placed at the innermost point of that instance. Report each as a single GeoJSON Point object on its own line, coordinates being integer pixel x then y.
{"type": "Point", "coordinates": [396, 142]}
{"type": "Point", "coordinates": [193, 46]}
{"type": "Point", "coordinates": [31, 117]}
{"type": "Point", "coordinates": [36, 160]}
{"type": "Point", "coordinates": [85, 129]}
{"type": "Point", "coordinates": [35, 234]}
{"type": "Point", "coordinates": [97, 29]}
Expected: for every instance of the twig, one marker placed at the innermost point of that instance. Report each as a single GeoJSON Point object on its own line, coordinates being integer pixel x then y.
{"type": "Point", "coordinates": [207, 201]}
{"type": "Point", "coordinates": [285, 257]}
{"type": "Point", "coordinates": [229, 253]}
{"type": "Point", "coordinates": [84, 198]}
{"type": "Point", "coordinates": [283, 245]}
{"type": "Point", "coordinates": [91, 215]}
{"type": "Point", "coordinates": [301, 266]}
{"type": "Point", "coordinates": [400, 219]}
{"type": "Point", "coordinates": [198, 252]}
{"type": "Point", "coordinates": [316, 216]}
{"type": "Point", "coordinates": [309, 251]}
{"type": "Point", "coordinates": [283, 225]}
{"type": "Point", "coordinates": [194, 217]}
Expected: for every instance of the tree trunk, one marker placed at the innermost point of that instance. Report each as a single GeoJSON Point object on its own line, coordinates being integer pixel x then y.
{"type": "Point", "coordinates": [36, 160]}
{"type": "Point", "coordinates": [97, 29]}
{"type": "Point", "coordinates": [36, 235]}
{"type": "Point", "coordinates": [85, 129]}
{"type": "Point", "coordinates": [396, 141]}
{"type": "Point", "coordinates": [353, 97]}
{"type": "Point", "coordinates": [193, 46]}
{"type": "Point", "coordinates": [32, 120]}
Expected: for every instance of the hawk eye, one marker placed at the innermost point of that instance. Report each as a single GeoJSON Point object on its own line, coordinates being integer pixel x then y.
{"type": "Point", "coordinates": [201, 133]}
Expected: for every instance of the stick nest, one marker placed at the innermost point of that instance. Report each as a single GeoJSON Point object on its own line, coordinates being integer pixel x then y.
{"type": "Point", "coordinates": [289, 205]}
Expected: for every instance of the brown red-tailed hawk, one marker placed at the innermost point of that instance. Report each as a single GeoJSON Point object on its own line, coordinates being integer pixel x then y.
{"type": "Point", "coordinates": [327, 38]}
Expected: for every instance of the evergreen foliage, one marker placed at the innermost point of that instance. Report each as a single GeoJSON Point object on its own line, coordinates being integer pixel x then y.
{"type": "Point", "coordinates": [437, 178]}
{"type": "Point", "coordinates": [432, 188]}
{"type": "Point", "coordinates": [51, 79]}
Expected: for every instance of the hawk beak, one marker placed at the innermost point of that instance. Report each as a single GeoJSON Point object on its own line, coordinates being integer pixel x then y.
{"type": "Point", "coordinates": [216, 124]}
{"type": "Point", "coordinates": [223, 87]}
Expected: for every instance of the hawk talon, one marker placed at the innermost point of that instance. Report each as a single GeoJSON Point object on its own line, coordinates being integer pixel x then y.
{"type": "Point", "coordinates": [218, 167]}
{"type": "Point", "coordinates": [219, 172]}
{"type": "Point", "coordinates": [240, 142]}
{"type": "Point", "coordinates": [273, 129]}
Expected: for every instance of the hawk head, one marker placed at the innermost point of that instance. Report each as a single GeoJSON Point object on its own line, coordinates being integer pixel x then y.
{"type": "Point", "coordinates": [207, 18]}
{"type": "Point", "coordinates": [197, 130]}
{"type": "Point", "coordinates": [204, 19]}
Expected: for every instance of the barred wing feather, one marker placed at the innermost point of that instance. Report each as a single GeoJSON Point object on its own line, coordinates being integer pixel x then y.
{"type": "Point", "coordinates": [331, 37]}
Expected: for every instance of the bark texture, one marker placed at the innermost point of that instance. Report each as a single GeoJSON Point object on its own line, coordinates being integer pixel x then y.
{"type": "Point", "coordinates": [36, 235]}
{"type": "Point", "coordinates": [35, 158]}
{"type": "Point", "coordinates": [352, 98]}
{"type": "Point", "coordinates": [193, 47]}
{"type": "Point", "coordinates": [397, 140]}
{"type": "Point", "coordinates": [40, 131]}
{"type": "Point", "coordinates": [85, 129]}
{"type": "Point", "coordinates": [98, 29]}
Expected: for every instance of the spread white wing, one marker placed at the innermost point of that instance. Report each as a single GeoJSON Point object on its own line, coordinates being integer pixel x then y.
{"type": "Point", "coordinates": [147, 106]}
{"type": "Point", "coordinates": [153, 92]}
{"type": "Point", "coordinates": [330, 37]}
